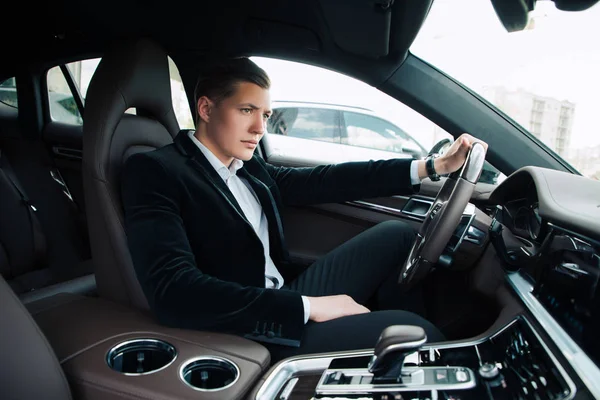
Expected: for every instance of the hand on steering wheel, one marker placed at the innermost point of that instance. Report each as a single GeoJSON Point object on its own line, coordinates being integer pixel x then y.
{"type": "Point", "coordinates": [446, 211]}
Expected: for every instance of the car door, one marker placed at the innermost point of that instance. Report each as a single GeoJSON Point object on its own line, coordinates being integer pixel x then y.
{"type": "Point", "coordinates": [313, 231]}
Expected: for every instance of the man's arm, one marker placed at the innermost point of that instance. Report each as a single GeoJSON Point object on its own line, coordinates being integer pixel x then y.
{"type": "Point", "coordinates": [342, 182]}
{"type": "Point", "coordinates": [178, 292]}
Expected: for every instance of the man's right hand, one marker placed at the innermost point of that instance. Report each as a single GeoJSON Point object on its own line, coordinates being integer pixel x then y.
{"type": "Point", "coordinates": [326, 308]}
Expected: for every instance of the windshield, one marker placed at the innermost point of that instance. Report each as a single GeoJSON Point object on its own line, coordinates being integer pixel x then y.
{"type": "Point", "coordinates": [544, 77]}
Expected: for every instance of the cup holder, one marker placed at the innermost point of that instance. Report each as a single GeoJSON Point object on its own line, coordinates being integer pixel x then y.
{"type": "Point", "coordinates": [209, 374]}
{"type": "Point", "coordinates": [141, 356]}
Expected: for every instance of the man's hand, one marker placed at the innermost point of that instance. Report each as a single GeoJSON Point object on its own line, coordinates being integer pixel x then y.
{"type": "Point", "coordinates": [456, 155]}
{"type": "Point", "coordinates": [453, 158]}
{"type": "Point", "coordinates": [326, 308]}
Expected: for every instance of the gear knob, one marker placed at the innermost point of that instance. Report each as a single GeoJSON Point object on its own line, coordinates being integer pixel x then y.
{"type": "Point", "coordinates": [393, 345]}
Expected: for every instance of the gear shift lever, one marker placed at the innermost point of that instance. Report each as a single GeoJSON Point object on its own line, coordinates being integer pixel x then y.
{"type": "Point", "coordinates": [394, 344]}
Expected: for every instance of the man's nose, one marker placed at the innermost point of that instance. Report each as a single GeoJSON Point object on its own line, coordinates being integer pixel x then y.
{"type": "Point", "coordinates": [258, 125]}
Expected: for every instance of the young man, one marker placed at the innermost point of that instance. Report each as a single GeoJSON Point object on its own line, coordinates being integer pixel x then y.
{"type": "Point", "coordinates": [206, 239]}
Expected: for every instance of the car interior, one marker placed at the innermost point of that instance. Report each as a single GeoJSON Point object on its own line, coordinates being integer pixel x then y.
{"type": "Point", "coordinates": [508, 272]}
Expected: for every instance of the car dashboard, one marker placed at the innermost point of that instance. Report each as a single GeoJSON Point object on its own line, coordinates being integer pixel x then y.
{"type": "Point", "coordinates": [551, 252]}
{"type": "Point", "coordinates": [545, 229]}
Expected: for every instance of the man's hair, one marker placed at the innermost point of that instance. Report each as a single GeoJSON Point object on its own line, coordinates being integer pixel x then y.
{"type": "Point", "coordinates": [219, 79]}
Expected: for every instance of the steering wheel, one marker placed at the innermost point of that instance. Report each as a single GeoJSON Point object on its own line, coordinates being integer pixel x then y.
{"type": "Point", "coordinates": [442, 218]}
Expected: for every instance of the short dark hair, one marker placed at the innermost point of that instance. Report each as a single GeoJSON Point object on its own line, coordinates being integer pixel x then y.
{"type": "Point", "coordinates": [218, 79]}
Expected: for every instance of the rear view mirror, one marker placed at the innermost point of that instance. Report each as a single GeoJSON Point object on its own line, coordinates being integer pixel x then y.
{"type": "Point", "coordinates": [514, 14]}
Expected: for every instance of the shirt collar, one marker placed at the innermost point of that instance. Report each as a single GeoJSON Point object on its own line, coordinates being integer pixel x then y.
{"type": "Point", "coordinates": [221, 169]}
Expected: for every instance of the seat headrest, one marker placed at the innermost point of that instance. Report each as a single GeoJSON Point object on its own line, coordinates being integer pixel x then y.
{"type": "Point", "coordinates": [132, 74]}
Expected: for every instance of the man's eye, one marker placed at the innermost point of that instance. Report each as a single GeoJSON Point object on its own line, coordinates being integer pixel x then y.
{"type": "Point", "coordinates": [266, 116]}
{"type": "Point", "coordinates": [247, 110]}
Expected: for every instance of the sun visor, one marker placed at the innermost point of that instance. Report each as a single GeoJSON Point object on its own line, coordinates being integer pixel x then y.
{"type": "Point", "coordinates": [360, 27]}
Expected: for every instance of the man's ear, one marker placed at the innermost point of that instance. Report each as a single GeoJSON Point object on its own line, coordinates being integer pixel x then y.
{"type": "Point", "coordinates": [204, 108]}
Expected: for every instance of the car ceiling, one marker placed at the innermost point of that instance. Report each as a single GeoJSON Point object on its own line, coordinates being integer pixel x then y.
{"type": "Point", "coordinates": [361, 37]}
{"type": "Point", "coordinates": [364, 39]}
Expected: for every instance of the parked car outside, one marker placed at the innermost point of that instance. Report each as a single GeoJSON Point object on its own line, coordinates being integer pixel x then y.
{"type": "Point", "coordinates": [345, 133]}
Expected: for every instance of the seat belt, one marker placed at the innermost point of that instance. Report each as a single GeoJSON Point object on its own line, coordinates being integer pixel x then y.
{"type": "Point", "coordinates": [39, 244]}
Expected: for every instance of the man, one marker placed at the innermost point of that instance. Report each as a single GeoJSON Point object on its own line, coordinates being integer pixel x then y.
{"type": "Point", "coordinates": [206, 239]}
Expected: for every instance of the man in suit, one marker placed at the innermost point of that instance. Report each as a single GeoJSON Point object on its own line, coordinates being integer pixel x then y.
{"type": "Point", "coordinates": [207, 243]}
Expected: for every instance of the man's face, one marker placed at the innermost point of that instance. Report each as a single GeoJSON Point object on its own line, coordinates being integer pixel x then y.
{"type": "Point", "coordinates": [237, 123]}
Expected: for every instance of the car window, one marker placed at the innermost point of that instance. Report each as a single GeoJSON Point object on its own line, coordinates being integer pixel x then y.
{"type": "Point", "coordinates": [372, 124]}
{"type": "Point", "coordinates": [181, 105]}
{"type": "Point", "coordinates": [61, 101]}
{"type": "Point", "coordinates": [63, 106]}
{"type": "Point", "coordinates": [367, 131]}
{"type": "Point", "coordinates": [305, 123]}
{"type": "Point", "coordinates": [8, 92]}
{"type": "Point", "coordinates": [543, 78]}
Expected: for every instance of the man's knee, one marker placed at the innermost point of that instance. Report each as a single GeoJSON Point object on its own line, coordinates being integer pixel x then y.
{"type": "Point", "coordinates": [399, 230]}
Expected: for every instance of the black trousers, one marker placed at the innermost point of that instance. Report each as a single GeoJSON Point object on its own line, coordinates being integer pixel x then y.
{"type": "Point", "coordinates": [365, 268]}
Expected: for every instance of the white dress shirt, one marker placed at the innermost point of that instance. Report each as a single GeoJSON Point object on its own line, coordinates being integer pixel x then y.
{"type": "Point", "coordinates": [246, 198]}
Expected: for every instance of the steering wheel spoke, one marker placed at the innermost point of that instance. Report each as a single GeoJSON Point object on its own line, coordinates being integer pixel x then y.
{"type": "Point", "coordinates": [442, 218]}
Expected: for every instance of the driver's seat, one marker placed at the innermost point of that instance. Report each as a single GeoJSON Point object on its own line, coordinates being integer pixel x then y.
{"type": "Point", "coordinates": [133, 74]}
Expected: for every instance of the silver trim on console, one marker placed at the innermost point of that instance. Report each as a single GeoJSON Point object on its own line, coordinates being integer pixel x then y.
{"type": "Point", "coordinates": [585, 368]}
{"type": "Point", "coordinates": [191, 363]}
{"type": "Point", "coordinates": [417, 382]}
{"type": "Point", "coordinates": [284, 371]}
{"type": "Point", "coordinates": [278, 377]}
{"type": "Point", "coordinates": [141, 344]}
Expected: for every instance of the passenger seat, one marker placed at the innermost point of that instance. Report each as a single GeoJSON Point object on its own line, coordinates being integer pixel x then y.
{"type": "Point", "coordinates": [23, 245]}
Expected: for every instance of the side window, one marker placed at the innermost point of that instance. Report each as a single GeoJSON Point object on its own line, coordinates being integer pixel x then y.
{"type": "Point", "coordinates": [305, 123]}
{"type": "Point", "coordinates": [181, 106]}
{"type": "Point", "coordinates": [364, 130]}
{"type": "Point", "coordinates": [359, 122]}
{"type": "Point", "coordinates": [63, 106]}
{"type": "Point", "coordinates": [61, 99]}
{"type": "Point", "coordinates": [8, 92]}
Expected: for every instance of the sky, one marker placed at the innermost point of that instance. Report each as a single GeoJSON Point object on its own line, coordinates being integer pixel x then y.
{"type": "Point", "coordinates": [558, 58]}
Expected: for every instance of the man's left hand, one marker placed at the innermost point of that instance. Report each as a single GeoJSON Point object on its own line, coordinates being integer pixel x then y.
{"type": "Point", "coordinates": [455, 156]}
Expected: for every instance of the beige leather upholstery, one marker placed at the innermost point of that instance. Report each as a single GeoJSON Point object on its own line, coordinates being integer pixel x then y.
{"type": "Point", "coordinates": [30, 369]}
{"type": "Point", "coordinates": [135, 73]}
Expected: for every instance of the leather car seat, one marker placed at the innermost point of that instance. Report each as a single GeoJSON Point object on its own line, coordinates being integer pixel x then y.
{"type": "Point", "coordinates": [132, 74]}
{"type": "Point", "coordinates": [30, 369]}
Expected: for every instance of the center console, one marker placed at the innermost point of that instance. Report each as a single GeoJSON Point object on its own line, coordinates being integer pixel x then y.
{"type": "Point", "coordinates": [513, 363]}
{"type": "Point", "coordinates": [108, 351]}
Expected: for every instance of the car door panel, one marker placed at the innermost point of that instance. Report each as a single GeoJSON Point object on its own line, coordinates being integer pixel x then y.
{"type": "Point", "coordinates": [64, 142]}
{"type": "Point", "coordinates": [313, 231]}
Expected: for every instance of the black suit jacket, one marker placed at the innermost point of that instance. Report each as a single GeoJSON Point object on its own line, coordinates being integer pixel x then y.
{"type": "Point", "coordinates": [199, 261]}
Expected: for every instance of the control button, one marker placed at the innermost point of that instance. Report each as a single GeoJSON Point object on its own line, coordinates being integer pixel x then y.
{"type": "Point", "coordinates": [488, 371]}
{"type": "Point", "coordinates": [461, 376]}
{"type": "Point", "coordinates": [441, 376]}
{"type": "Point", "coordinates": [534, 385]}
{"type": "Point", "coordinates": [337, 376]}
{"type": "Point", "coordinates": [543, 381]}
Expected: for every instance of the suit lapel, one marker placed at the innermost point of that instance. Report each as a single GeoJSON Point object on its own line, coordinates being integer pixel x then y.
{"type": "Point", "coordinates": [197, 160]}
{"type": "Point", "coordinates": [269, 207]}
{"type": "Point", "coordinates": [185, 145]}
